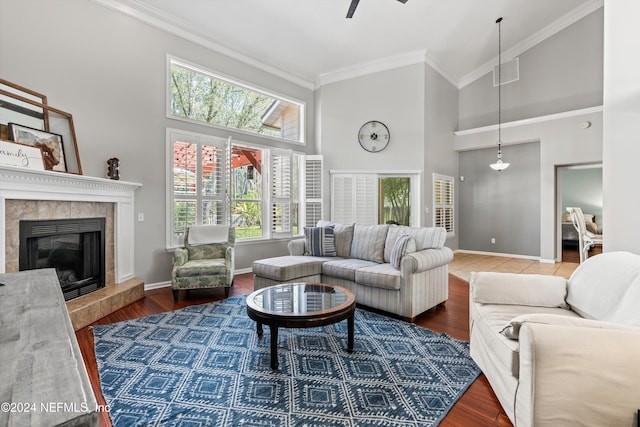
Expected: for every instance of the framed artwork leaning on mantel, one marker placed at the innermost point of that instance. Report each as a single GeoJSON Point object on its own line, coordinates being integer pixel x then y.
{"type": "Point", "coordinates": [49, 143]}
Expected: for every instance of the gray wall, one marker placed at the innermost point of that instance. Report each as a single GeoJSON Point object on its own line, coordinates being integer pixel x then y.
{"type": "Point", "coordinates": [109, 71]}
{"type": "Point", "coordinates": [583, 188]}
{"type": "Point", "coordinates": [417, 104]}
{"type": "Point", "coordinates": [504, 205]}
{"type": "Point", "coordinates": [562, 73]}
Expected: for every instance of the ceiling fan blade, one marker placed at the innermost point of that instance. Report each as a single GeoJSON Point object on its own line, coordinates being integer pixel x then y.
{"type": "Point", "coordinates": [402, 1]}
{"type": "Point", "coordinates": [352, 8]}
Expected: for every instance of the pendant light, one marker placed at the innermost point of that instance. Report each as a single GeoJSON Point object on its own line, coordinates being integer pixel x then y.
{"type": "Point", "coordinates": [499, 165]}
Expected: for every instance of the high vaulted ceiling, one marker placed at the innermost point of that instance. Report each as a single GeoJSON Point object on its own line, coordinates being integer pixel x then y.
{"type": "Point", "coordinates": [311, 42]}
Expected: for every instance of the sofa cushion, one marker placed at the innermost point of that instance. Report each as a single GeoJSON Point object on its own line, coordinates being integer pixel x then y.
{"type": "Point", "coordinates": [490, 319]}
{"type": "Point", "coordinates": [368, 242]}
{"type": "Point", "coordinates": [518, 289]}
{"type": "Point", "coordinates": [319, 241]}
{"type": "Point", "coordinates": [425, 237]}
{"type": "Point", "coordinates": [607, 287]}
{"type": "Point", "coordinates": [345, 268]}
{"type": "Point", "coordinates": [286, 268]}
{"type": "Point", "coordinates": [404, 244]}
{"type": "Point", "coordinates": [379, 276]}
{"type": "Point", "coordinates": [202, 267]}
{"type": "Point", "coordinates": [343, 237]}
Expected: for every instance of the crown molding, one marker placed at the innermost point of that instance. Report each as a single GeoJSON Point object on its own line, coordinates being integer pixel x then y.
{"type": "Point", "coordinates": [526, 44]}
{"type": "Point", "coordinates": [170, 24]}
{"type": "Point", "coordinates": [384, 64]}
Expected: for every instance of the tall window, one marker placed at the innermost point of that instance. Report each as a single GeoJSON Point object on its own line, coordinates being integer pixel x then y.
{"type": "Point", "coordinates": [197, 179]}
{"type": "Point", "coordinates": [443, 203]}
{"type": "Point", "coordinates": [260, 191]}
{"type": "Point", "coordinates": [206, 97]}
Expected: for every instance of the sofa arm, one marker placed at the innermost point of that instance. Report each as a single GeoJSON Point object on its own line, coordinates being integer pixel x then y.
{"type": "Point", "coordinates": [180, 256]}
{"type": "Point", "coordinates": [572, 375]}
{"type": "Point", "coordinates": [296, 247]}
{"type": "Point", "coordinates": [518, 289]}
{"type": "Point", "coordinates": [425, 260]}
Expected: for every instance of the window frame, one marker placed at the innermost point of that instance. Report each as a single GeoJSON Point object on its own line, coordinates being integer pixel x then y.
{"type": "Point", "coordinates": [267, 200]}
{"type": "Point", "coordinates": [237, 82]}
{"type": "Point", "coordinates": [452, 183]}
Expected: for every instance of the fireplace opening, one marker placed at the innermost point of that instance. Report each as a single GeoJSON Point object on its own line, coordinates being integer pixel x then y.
{"type": "Point", "coordinates": [74, 247]}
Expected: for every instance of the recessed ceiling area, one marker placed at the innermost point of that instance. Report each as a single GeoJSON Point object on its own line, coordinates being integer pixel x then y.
{"type": "Point", "coordinates": [307, 41]}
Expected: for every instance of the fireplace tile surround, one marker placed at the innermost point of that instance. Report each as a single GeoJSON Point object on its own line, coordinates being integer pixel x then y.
{"type": "Point", "coordinates": [26, 194]}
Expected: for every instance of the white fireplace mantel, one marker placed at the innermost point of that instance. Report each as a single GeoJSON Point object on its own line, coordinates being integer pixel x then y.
{"type": "Point", "coordinates": [23, 184]}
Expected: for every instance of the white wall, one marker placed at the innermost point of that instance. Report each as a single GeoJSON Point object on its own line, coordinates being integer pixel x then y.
{"type": "Point", "coordinates": [621, 174]}
{"type": "Point", "coordinates": [109, 71]}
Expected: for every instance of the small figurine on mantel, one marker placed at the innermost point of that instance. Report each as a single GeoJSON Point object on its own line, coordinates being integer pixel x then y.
{"type": "Point", "coordinates": [113, 168]}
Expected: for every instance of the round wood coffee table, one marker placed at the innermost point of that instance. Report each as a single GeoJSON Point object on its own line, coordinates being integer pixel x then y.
{"type": "Point", "coordinates": [300, 305]}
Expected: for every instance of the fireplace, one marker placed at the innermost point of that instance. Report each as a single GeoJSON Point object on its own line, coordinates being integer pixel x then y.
{"type": "Point", "coordinates": [74, 247]}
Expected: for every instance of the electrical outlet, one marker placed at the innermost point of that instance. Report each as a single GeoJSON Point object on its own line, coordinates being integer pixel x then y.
{"type": "Point", "coordinates": [493, 240]}
{"type": "Point", "coordinates": [140, 216]}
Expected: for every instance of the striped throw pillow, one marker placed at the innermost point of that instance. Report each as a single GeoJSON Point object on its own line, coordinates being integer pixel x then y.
{"type": "Point", "coordinates": [405, 244]}
{"type": "Point", "coordinates": [319, 241]}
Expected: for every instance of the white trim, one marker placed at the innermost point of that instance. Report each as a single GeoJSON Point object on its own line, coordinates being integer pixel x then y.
{"type": "Point", "coordinates": [532, 120]}
{"type": "Point", "coordinates": [170, 24]}
{"type": "Point", "coordinates": [533, 258]}
{"type": "Point", "coordinates": [385, 172]}
{"type": "Point", "coordinates": [158, 285]}
{"type": "Point", "coordinates": [531, 41]}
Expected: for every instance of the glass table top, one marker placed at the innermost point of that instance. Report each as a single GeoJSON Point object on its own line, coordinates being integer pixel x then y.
{"type": "Point", "coordinates": [299, 298]}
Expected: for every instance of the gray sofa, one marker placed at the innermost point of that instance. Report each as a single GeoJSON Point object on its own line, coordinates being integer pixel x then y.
{"type": "Point", "coordinates": [368, 260]}
{"type": "Point", "coordinates": [561, 352]}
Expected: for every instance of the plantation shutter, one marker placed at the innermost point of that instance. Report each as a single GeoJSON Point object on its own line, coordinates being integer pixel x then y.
{"type": "Point", "coordinates": [281, 193]}
{"type": "Point", "coordinates": [443, 202]}
{"type": "Point", "coordinates": [197, 182]}
{"type": "Point", "coordinates": [313, 174]}
{"type": "Point", "coordinates": [354, 198]}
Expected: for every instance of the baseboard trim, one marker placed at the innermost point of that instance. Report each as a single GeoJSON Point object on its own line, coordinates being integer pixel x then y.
{"type": "Point", "coordinates": [534, 258]}
{"type": "Point", "coordinates": [159, 285]}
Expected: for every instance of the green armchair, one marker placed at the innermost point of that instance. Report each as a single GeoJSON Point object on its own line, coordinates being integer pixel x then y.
{"type": "Point", "coordinates": [206, 261]}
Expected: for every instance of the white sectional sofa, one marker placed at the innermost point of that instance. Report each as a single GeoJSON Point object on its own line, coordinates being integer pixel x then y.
{"type": "Point", "coordinates": [406, 281]}
{"type": "Point", "coordinates": [561, 352]}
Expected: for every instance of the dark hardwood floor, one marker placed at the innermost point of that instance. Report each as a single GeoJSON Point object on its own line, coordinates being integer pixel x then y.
{"type": "Point", "coordinates": [477, 407]}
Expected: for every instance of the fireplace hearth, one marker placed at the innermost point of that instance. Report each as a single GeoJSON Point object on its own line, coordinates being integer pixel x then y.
{"type": "Point", "coordinates": [75, 248]}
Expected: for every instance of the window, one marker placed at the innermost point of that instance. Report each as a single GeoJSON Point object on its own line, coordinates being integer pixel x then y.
{"type": "Point", "coordinates": [202, 96]}
{"type": "Point", "coordinates": [395, 200]}
{"type": "Point", "coordinates": [197, 179]}
{"type": "Point", "coordinates": [375, 198]}
{"type": "Point", "coordinates": [443, 202]}
{"type": "Point", "coordinates": [261, 191]}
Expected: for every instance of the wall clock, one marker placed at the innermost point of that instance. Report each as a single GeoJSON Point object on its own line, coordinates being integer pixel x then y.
{"type": "Point", "coordinates": [374, 136]}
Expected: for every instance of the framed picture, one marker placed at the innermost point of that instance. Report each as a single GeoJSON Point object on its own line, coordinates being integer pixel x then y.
{"type": "Point", "coordinates": [21, 156]}
{"type": "Point", "coordinates": [15, 106]}
{"type": "Point", "coordinates": [49, 143]}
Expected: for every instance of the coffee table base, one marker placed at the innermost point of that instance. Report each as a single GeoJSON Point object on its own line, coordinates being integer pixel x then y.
{"type": "Point", "coordinates": [273, 328]}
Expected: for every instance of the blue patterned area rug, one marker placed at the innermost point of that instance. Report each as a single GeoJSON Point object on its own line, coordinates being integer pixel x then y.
{"type": "Point", "coordinates": [204, 365]}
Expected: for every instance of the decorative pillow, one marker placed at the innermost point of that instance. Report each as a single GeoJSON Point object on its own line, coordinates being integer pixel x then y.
{"type": "Point", "coordinates": [405, 244]}
{"type": "Point", "coordinates": [343, 236]}
{"type": "Point", "coordinates": [518, 289]}
{"type": "Point", "coordinates": [429, 237]}
{"type": "Point", "coordinates": [368, 242]}
{"type": "Point", "coordinates": [319, 241]}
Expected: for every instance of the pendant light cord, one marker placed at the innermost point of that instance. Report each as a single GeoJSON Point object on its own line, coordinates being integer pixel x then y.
{"type": "Point", "coordinates": [499, 22]}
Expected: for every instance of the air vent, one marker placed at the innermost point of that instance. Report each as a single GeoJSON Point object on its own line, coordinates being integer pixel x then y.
{"type": "Point", "coordinates": [510, 72]}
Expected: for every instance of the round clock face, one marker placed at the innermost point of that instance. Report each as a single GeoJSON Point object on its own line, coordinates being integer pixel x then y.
{"type": "Point", "coordinates": [374, 136]}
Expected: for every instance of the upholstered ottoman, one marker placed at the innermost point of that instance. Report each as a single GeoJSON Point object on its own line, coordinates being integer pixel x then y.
{"type": "Point", "coordinates": [287, 269]}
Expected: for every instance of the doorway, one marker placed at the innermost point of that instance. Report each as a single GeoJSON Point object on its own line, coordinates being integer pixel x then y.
{"type": "Point", "coordinates": [577, 185]}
